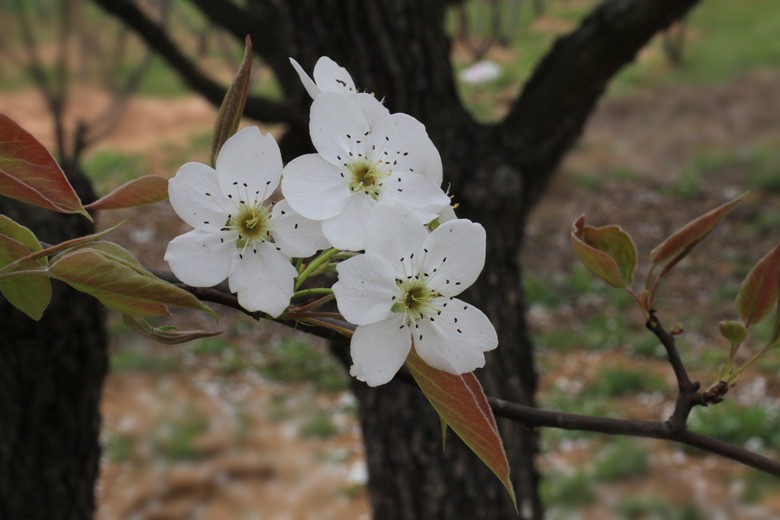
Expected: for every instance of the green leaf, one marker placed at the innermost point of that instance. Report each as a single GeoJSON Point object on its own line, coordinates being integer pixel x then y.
{"type": "Point", "coordinates": [681, 242]}
{"type": "Point", "coordinates": [30, 174]}
{"type": "Point", "coordinates": [143, 190]}
{"type": "Point", "coordinates": [608, 252]}
{"type": "Point", "coordinates": [120, 283]}
{"type": "Point", "coordinates": [733, 331]}
{"type": "Point", "coordinates": [462, 405]}
{"type": "Point", "coordinates": [20, 233]}
{"type": "Point", "coordinates": [30, 292]}
{"type": "Point", "coordinates": [758, 292]}
{"type": "Point", "coordinates": [232, 108]}
{"type": "Point", "coordinates": [167, 335]}
{"type": "Point", "coordinates": [42, 253]}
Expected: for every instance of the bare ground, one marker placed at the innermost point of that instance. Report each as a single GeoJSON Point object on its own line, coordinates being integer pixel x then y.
{"type": "Point", "coordinates": [249, 461]}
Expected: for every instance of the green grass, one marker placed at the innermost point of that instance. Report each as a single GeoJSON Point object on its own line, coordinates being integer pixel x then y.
{"type": "Point", "coordinates": [736, 424]}
{"type": "Point", "coordinates": [175, 438]}
{"type": "Point", "coordinates": [212, 347]}
{"type": "Point", "coordinates": [724, 39]}
{"type": "Point", "coordinates": [136, 359]}
{"type": "Point", "coordinates": [160, 81]}
{"type": "Point", "coordinates": [568, 491]}
{"type": "Point", "coordinates": [622, 382]}
{"type": "Point", "coordinates": [296, 361]}
{"type": "Point", "coordinates": [622, 459]}
{"type": "Point", "coordinates": [758, 485]}
{"type": "Point", "coordinates": [318, 425]}
{"type": "Point", "coordinates": [119, 448]}
{"type": "Point", "coordinates": [109, 169]}
{"type": "Point", "coordinates": [597, 333]}
{"type": "Point", "coordinates": [655, 508]}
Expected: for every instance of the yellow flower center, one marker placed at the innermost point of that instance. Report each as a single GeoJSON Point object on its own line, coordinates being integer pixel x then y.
{"type": "Point", "coordinates": [366, 177]}
{"type": "Point", "coordinates": [251, 224]}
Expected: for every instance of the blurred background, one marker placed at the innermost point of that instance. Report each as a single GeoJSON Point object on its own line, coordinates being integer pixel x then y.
{"type": "Point", "coordinates": [260, 418]}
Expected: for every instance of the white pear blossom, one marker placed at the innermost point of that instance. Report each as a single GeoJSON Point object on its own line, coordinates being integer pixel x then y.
{"type": "Point", "coordinates": [329, 76]}
{"type": "Point", "coordinates": [401, 293]}
{"type": "Point", "coordinates": [237, 236]}
{"type": "Point", "coordinates": [359, 166]}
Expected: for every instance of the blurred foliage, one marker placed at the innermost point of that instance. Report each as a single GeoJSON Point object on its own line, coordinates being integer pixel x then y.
{"type": "Point", "coordinates": [757, 425]}
{"type": "Point", "coordinates": [622, 459]}
{"type": "Point", "coordinates": [296, 361]}
{"type": "Point", "coordinates": [622, 382]}
{"type": "Point", "coordinates": [567, 491]}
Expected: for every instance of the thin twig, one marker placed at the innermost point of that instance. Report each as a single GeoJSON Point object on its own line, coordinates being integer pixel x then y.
{"type": "Point", "coordinates": [538, 418]}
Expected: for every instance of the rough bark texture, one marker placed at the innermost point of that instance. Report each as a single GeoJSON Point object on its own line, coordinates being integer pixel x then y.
{"type": "Point", "coordinates": [51, 374]}
{"type": "Point", "coordinates": [406, 61]}
{"type": "Point", "coordinates": [398, 49]}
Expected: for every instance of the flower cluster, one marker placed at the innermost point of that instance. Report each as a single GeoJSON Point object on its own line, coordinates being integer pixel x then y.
{"type": "Point", "coordinates": [374, 186]}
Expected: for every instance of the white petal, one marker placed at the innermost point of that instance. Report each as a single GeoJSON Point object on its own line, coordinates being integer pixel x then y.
{"type": "Point", "coordinates": [373, 109]}
{"type": "Point", "coordinates": [314, 187]}
{"type": "Point", "coordinates": [433, 168]}
{"type": "Point", "coordinates": [366, 289]}
{"type": "Point", "coordinates": [337, 127]}
{"type": "Point", "coordinates": [331, 77]}
{"type": "Point", "coordinates": [295, 235]}
{"type": "Point", "coordinates": [418, 193]}
{"type": "Point", "coordinates": [395, 235]}
{"type": "Point", "coordinates": [201, 258]}
{"type": "Point", "coordinates": [400, 141]}
{"type": "Point", "coordinates": [379, 350]}
{"type": "Point", "coordinates": [263, 279]}
{"type": "Point", "coordinates": [249, 166]}
{"type": "Point", "coordinates": [447, 214]}
{"type": "Point", "coordinates": [347, 230]}
{"type": "Point", "coordinates": [308, 83]}
{"type": "Point", "coordinates": [455, 339]}
{"type": "Point", "coordinates": [196, 197]}
{"type": "Point", "coordinates": [456, 256]}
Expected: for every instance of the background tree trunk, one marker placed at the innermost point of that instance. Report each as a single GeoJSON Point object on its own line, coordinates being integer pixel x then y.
{"type": "Point", "coordinates": [51, 374]}
{"type": "Point", "coordinates": [406, 61]}
{"type": "Point", "coordinates": [399, 50]}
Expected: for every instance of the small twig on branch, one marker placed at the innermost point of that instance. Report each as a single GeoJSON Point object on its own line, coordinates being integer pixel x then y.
{"type": "Point", "coordinates": [688, 394]}
{"type": "Point", "coordinates": [159, 40]}
{"type": "Point", "coordinates": [537, 418]}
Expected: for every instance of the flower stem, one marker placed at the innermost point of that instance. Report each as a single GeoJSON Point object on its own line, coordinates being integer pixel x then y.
{"type": "Point", "coordinates": [324, 257]}
{"type": "Point", "coordinates": [311, 292]}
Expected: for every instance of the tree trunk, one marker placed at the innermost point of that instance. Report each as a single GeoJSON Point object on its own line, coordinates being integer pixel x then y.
{"type": "Point", "coordinates": [51, 374]}
{"type": "Point", "coordinates": [398, 50]}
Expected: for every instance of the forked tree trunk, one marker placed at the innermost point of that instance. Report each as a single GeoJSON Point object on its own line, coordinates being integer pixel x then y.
{"type": "Point", "coordinates": [51, 374]}
{"type": "Point", "coordinates": [398, 49]}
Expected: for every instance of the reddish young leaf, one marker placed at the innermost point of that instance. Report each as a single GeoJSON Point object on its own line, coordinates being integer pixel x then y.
{"type": "Point", "coordinates": [118, 284]}
{"type": "Point", "coordinates": [232, 108]}
{"type": "Point", "coordinates": [681, 242]}
{"type": "Point", "coordinates": [758, 293]}
{"type": "Point", "coordinates": [30, 174]}
{"type": "Point", "coordinates": [462, 405]}
{"type": "Point", "coordinates": [143, 190]}
{"type": "Point", "coordinates": [608, 252]}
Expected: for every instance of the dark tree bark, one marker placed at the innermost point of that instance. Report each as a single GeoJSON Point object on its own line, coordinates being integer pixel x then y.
{"type": "Point", "coordinates": [51, 375]}
{"type": "Point", "coordinates": [399, 50]}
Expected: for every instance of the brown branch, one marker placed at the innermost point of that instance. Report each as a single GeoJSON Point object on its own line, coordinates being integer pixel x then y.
{"type": "Point", "coordinates": [534, 417]}
{"type": "Point", "coordinates": [554, 104]}
{"type": "Point", "coordinates": [156, 38]}
{"type": "Point", "coordinates": [265, 25]}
